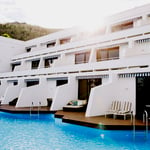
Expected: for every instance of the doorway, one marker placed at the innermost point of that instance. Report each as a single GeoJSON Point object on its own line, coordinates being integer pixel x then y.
{"type": "Point", "coordinates": [142, 95]}
{"type": "Point", "coordinates": [85, 86]}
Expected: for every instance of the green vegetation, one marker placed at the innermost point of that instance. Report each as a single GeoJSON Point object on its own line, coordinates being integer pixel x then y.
{"type": "Point", "coordinates": [6, 35]}
{"type": "Point", "coordinates": [23, 31]}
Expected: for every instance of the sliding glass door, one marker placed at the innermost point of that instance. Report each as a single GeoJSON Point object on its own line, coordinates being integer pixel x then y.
{"type": "Point", "coordinates": [85, 86]}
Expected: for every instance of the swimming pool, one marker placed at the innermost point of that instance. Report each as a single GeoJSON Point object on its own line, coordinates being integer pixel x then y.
{"type": "Point", "coordinates": [22, 132]}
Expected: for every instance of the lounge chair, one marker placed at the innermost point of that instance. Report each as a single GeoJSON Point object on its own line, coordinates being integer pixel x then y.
{"type": "Point", "coordinates": [125, 110]}
{"type": "Point", "coordinates": [115, 107]}
{"type": "Point", "coordinates": [76, 105]}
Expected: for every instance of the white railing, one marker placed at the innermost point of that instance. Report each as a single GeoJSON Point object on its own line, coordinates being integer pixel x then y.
{"type": "Point", "coordinates": [145, 120]}
{"type": "Point", "coordinates": [110, 58]}
{"type": "Point", "coordinates": [38, 109]}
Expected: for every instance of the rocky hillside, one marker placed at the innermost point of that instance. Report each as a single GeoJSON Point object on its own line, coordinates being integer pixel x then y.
{"type": "Point", "coordinates": [23, 31]}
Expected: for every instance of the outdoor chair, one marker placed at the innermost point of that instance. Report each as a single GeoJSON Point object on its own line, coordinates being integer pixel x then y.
{"type": "Point", "coordinates": [115, 107]}
{"type": "Point", "coordinates": [76, 105]}
{"type": "Point", "coordinates": [125, 110]}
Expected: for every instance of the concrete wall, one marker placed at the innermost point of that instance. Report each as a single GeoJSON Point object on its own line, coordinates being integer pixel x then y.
{"type": "Point", "coordinates": [51, 88]}
{"type": "Point", "coordinates": [35, 94]}
{"type": "Point", "coordinates": [3, 86]}
{"type": "Point", "coordinates": [9, 48]}
{"type": "Point", "coordinates": [64, 60]}
{"type": "Point", "coordinates": [116, 89]}
{"type": "Point", "coordinates": [12, 92]}
{"type": "Point", "coordinates": [65, 93]}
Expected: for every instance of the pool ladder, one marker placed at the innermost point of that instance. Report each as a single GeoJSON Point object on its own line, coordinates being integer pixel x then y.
{"type": "Point", "coordinates": [38, 111]}
{"type": "Point", "coordinates": [145, 120]}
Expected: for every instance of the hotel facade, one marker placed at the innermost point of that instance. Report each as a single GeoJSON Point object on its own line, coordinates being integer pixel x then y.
{"type": "Point", "coordinates": [110, 64]}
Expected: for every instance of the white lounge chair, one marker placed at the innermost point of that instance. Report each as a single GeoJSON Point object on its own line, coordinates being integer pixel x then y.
{"type": "Point", "coordinates": [115, 107]}
{"type": "Point", "coordinates": [76, 105]}
{"type": "Point", "coordinates": [125, 110]}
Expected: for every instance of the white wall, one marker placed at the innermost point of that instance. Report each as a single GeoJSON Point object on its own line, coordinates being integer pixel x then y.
{"type": "Point", "coordinates": [12, 92]}
{"type": "Point", "coordinates": [3, 87]}
{"type": "Point", "coordinates": [35, 94]}
{"type": "Point", "coordinates": [9, 48]}
{"type": "Point", "coordinates": [25, 65]}
{"type": "Point", "coordinates": [100, 99]}
{"type": "Point", "coordinates": [67, 59]}
{"type": "Point", "coordinates": [65, 93]}
{"type": "Point", "coordinates": [138, 49]}
{"type": "Point", "coordinates": [51, 88]}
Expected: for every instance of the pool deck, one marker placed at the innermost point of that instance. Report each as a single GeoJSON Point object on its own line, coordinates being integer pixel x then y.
{"type": "Point", "coordinates": [13, 109]}
{"type": "Point", "coordinates": [99, 121]}
{"type": "Point", "coordinates": [79, 118]}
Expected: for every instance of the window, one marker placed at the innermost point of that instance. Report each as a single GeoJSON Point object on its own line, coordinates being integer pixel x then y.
{"type": "Point", "coordinates": [32, 83]}
{"type": "Point", "coordinates": [51, 44]}
{"type": "Point", "coordinates": [15, 83]}
{"type": "Point", "coordinates": [122, 26]}
{"type": "Point", "coordinates": [107, 54]}
{"type": "Point", "coordinates": [35, 64]}
{"type": "Point", "coordinates": [49, 61]}
{"type": "Point", "coordinates": [64, 41]}
{"type": "Point", "coordinates": [61, 82]}
{"type": "Point", "coordinates": [14, 65]}
{"type": "Point", "coordinates": [82, 58]}
{"type": "Point", "coordinates": [28, 49]}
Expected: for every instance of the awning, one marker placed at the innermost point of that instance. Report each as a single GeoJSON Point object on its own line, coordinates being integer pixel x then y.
{"type": "Point", "coordinates": [132, 75]}
{"type": "Point", "coordinates": [93, 76]}
{"type": "Point", "coordinates": [57, 78]}
{"type": "Point", "coordinates": [12, 80]}
{"type": "Point", "coordinates": [30, 80]}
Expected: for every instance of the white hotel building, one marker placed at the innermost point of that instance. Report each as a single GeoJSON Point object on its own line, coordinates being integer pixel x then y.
{"type": "Point", "coordinates": [110, 64]}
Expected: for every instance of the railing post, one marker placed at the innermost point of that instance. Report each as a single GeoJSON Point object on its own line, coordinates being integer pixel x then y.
{"type": "Point", "coordinates": [31, 108]}
{"type": "Point", "coordinates": [39, 109]}
{"type": "Point", "coordinates": [145, 120]}
{"type": "Point", "coordinates": [133, 122]}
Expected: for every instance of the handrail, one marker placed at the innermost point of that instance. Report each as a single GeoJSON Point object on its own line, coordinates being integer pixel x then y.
{"type": "Point", "coordinates": [133, 123]}
{"type": "Point", "coordinates": [145, 119]}
{"type": "Point", "coordinates": [31, 107]}
{"type": "Point", "coordinates": [38, 110]}
{"type": "Point", "coordinates": [39, 106]}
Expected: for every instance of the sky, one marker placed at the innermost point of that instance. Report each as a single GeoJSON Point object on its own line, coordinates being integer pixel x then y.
{"type": "Point", "coordinates": [63, 13]}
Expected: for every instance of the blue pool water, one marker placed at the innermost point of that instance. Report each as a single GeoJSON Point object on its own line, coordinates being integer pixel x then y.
{"type": "Point", "coordinates": [22, 132]}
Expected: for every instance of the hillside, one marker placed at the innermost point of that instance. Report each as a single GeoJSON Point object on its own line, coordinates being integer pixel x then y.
{"type": "Point", "coordinates": [23, 31]}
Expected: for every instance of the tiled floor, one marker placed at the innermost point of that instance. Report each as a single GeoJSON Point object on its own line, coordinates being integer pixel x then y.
{"type": "Point", "coordinates": [80, 119]}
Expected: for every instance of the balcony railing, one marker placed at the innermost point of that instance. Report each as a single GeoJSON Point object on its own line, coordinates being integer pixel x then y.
{"type": "Point", "coordinates": [81, 62]}
{"type": "Point", "coordinates": [105, 59]}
